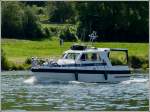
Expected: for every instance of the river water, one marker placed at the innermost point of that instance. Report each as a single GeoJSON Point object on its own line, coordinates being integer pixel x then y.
{"type": "Point", "coordinates": [20, 92]}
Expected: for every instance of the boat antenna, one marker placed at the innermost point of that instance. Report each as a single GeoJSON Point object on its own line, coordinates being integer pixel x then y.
{"type": "Point", "coordinates": [93, 36]}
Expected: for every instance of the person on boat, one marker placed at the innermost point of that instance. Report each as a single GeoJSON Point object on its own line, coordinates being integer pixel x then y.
{"type": "Point", "coordinates": [83, 57]}
{"type": "Point", "coordinates": [94, 57]}
{"type": "Point", "coordinates": [34, 62]}
{"type": "Point", "coordinates": [61, 41]}
{"type": "Point", "coordinates": [93, 36]}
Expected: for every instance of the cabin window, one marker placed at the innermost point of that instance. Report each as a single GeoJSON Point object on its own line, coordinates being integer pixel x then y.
{"type": "Point", "coordinates": [90, 57]}
{"type": "Point", "coordinates": [118, 58]}
{"type": "Point", "coordinates": [72, 56]}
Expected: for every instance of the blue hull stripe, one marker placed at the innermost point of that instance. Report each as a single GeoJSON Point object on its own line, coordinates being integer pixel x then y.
{"type": "Point", "coordinates": [59, 70]}
{"type": "Point", "coordinates": [83, 65]}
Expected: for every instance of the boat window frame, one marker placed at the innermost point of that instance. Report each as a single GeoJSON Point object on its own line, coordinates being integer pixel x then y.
{"type": "Point", "coordinates": [99, 59]}
{"type": "Point", "coordinates": [120, 50]}
{"type": "Point", "coordinates": [66, 54]}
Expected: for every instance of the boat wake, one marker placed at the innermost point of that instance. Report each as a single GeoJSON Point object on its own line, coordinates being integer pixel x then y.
{"type": "Point", "coordinates": [75, 82]}
{"type": "Point", "coordinates": [135, 80]}
{"type": "Point", "coordinates": [31, 80]}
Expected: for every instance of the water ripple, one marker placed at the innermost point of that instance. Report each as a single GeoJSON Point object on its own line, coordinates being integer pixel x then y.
{"type": "Point", "coordinates": [21, 91]}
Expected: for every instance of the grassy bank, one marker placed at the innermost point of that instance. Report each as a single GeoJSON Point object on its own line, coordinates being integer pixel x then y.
{"type": "Point", "coordinates": [17, 51]}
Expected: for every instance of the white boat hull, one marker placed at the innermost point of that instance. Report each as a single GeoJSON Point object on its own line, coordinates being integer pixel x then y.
{"type": "Point", "coordinates": [95, 78]}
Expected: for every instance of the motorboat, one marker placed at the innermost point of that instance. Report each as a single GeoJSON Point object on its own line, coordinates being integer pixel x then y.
{"type": "Point", "coordinates": [83, 63]}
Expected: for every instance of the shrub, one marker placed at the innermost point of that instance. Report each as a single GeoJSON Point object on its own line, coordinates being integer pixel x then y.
{"type": "Point", "coordinates": [4, 62]}
{"type": "Point", "coordinates": [53, 30]}
{"type": "Point", "coordinates": [145, 62]}
{"type": "Point", "coordinates": [134, 62]}
{"type": "Point", "coordinates": [26, 66]}
{"type": "Point", "coordinates": [145, 66]}
{"type": "Point", "coordinates": [13, 67]}
{"type": "Point", "coordinates": [41, 11]}
{"type": "Point", "coordinates": [28, 61]}
{"type": "Point", "coordinates": [138, 62]}
{"type": "Point", "coordinates": [17, 67]}
{"type": "Point", "coordinates": [47, 32]}
{"type": "Point", "coordinates": [20, 67]}
{"type": "Point", "coordinates": [67, 35]}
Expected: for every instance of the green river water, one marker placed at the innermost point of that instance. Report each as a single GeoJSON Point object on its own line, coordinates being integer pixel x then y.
{"type": "Point", "coordinates": [20, 93]}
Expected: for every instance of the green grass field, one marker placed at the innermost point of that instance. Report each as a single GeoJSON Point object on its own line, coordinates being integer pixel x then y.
{"type": "Point", "coordinates": [18, 50]}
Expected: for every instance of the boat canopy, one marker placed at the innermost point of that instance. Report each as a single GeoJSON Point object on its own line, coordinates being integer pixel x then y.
{"type": "Point", "coordinates": [118, 49]}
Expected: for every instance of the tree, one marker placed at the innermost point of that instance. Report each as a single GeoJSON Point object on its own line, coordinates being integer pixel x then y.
{"type": "Point", "coordinates": [38, 3]}
{"type": "Point", "coordinates": [20, 21]}
{"type": "Point", "coordinates": [12, 19]}
{"type": "Point", "coordinates": [60, 11]}
{"type": "Point", "coordinates": [32, 27]}
{"type": "Point", "coordinates": [113, 21]}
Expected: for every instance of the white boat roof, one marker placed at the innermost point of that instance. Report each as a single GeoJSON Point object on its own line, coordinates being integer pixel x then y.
{"type": "Point", "coordinates": [88, 50]}
{"type": "Point", "coordinates": [95, 50]}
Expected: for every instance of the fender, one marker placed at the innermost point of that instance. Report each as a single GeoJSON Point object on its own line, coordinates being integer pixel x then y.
{"type": "Point", "coordinates": [106, 76]}
{"type": "Point", "coordinates": [76, 76]}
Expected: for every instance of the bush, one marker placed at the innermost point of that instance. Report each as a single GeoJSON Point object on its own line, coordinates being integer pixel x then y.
{"type": "Point", "coordinates": [26, 66]}
{"type": "Point", "coordinates": [16, 67]}
{"type": "Point", "coordinates": [41, 11]}
{"type": "Point", "coordinates": [4, 62]}
{"type": "Point", "coordinates": [47, 32]}
{"type": "Point", "coordinates": [54, 31]}
{"type": "Point", "coordinates": [145, 66]}
{"type": "Point", "coordinates": [6, 65]}
{"type": "Point", "coordinates": [145, 62]}
{"type": "Point", "coordinates": [13, 67]}
{"type": "Point", "coordinates": [67, 35]}
{"type": "Point", "coordinates": [135, 62]}
{"type": "Point", "coordinates": [138, 62]}
{"type": "Point", "coordinates": [28, 61]}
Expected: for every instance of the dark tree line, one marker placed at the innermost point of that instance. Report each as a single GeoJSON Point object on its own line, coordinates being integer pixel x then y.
{"type": "Point", "coordinates": [113, 21]}
{"type": "Point", "coordinates": [39, 3]}
{"type": "Point", "coordinates": [19, 21]}
{"type": "Point", "coordinates": [61, 12]}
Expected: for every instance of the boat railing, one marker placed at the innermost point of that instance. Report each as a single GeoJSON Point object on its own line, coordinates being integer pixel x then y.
{"type": "Point", "coordinates": [36, 62]}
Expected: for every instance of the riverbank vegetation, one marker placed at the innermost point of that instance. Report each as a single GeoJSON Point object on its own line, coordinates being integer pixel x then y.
{"type": "Point", "coordinates": [9, 65]}
{"type": "Point", "coordinates": [31, 28]}
{"type": "Point", "coordinates": [50, 48]}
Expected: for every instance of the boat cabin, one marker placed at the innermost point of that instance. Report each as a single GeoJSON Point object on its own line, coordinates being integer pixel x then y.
{"type": "Point", "coordinates": [82, 55]}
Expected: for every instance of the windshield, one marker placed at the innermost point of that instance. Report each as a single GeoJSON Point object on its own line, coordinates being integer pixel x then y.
{"type": "Point", "coordinates": [71, 56]}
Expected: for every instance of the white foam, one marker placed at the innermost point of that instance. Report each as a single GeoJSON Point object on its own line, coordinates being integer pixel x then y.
{"type": "Point", "coordinates": [31, 80]}
{"type": "Point", "coordinates": [76, 82]}
{"type": "Point", "coordinates": [136, 80]}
